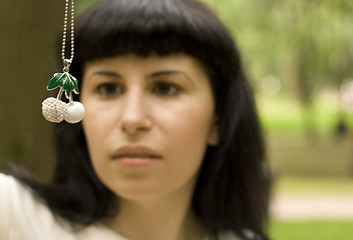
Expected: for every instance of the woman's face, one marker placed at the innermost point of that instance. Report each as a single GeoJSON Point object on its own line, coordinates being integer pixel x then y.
{"type": "Point", "coordinates": [148, 122]}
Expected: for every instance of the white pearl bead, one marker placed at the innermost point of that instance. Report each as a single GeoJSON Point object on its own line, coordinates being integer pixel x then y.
{"type": "Point", "coordinates": [76, 111]}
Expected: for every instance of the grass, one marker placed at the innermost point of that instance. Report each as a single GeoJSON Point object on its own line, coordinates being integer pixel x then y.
{"type": "Point", "coordinates": [295, 154]}
{"type": "Point", "coordinates": [304, 229]}
{"type": "Point", "coordinates": [285, 114]}
{"type": "Point", "coordinates": [313, 186]}
{"type": "Point", "coordinates": [297, 149]}
{"type": "Point", "coordinates": [311, 230]}
{"type": "Point", "coordinates": [307, 162]}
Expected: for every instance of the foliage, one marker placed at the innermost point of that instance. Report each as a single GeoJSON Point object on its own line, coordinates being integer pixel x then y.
{"type": "Point", "coordinates": [84, 4]}
{"type": "Point", "coordinates": [311, 229]}
{"type": "Point", "coordinates": [283, 113]}
{"type": "Point", "coordinates": [309, 43]}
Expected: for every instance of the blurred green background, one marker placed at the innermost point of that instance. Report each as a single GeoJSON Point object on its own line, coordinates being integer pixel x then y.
{"type": "Point", "coordinates": [298, 55]}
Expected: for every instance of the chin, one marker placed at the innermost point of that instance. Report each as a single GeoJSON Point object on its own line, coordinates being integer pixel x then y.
{"type": "Point", "coordinates": [138, 192]}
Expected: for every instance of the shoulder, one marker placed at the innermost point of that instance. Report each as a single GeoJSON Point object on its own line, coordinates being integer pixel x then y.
{"type": "Point", "coordinates": [98, 231]}
{"type": "Point", "coordinates": [248, 234]}
{"type": "Point", "coordinates": [14, 194]}
{"type": "Point", "coordinates": [227, 235]}
{"type": "Point", "coordinates": [11, 193]}
{"type": "Point", "coordinates": [230, 235]}
{"type": "Point", "coordinates": [21, 211]}
{"type": "Point", "coordinates": [26, 216]}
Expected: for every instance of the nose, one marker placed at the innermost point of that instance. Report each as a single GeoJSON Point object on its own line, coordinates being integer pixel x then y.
{"type": "Point", "coordinates": [134, 117]}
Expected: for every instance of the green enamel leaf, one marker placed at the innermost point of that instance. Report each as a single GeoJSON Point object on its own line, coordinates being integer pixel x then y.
{"type": "Point", "coordinates": [66, 81]}
{"type": "Point", "coordinates": [70, 84]}
{"type": "Point", "coordinates": [68, 94]}
{"type": "Point", "coordinates": [75, 84]}
{"type": "Point", "coordinates": [56, 81]}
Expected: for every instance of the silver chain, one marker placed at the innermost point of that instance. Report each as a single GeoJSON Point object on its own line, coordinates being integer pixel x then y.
{"type": "Point", "coordinates": [67, 62]}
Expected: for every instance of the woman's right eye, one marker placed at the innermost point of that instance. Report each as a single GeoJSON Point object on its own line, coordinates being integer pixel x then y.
{"type": "Point", "coordinates": [109, 90]}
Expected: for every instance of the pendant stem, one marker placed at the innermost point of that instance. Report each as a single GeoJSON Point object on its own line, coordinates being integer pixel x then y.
{"type": "Point", "coordinates": [60, 93]}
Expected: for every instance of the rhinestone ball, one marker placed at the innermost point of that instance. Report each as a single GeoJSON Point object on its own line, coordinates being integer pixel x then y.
{"type": "Point", "coordinates": [54, 110]}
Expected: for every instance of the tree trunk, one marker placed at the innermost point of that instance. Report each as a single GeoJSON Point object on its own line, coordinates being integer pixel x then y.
{"type": "Point", "coordinates": [28, 39]}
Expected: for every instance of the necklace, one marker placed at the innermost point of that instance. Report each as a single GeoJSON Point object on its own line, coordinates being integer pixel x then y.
{"type": "Point", "coordinates": [53, 109]}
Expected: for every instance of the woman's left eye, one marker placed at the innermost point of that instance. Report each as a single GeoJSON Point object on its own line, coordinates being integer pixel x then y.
{"type": "Point", "coordinates": [165, 89]}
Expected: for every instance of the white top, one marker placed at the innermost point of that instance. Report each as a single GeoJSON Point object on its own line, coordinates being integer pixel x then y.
{"type": "Point", "coordinates": [24, 217]}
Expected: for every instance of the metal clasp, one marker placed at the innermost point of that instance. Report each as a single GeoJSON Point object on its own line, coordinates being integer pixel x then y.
{"type": "Point", "coordinates": [67, 64]}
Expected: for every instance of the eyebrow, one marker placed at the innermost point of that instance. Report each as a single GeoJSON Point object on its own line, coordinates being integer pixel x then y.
{"type": "Point", "coordinates": [154, 74]}
{"type": "Point", "coordinates": [105, 73]}
{"type": "Point", "coordinates": [161, 73]}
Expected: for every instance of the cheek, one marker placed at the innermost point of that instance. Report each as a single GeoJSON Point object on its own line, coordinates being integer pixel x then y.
{"type": "Point", "coordinates": [91, 127]}
{"type": "Point", "coordinates": [190, 126]}
{"type": "Point", "coordinates": [192, 119]}
{"type": "Point", "coordinates": [188, 146]}
{"type": "Point", "coordinates": [96, 138]}
{"type": "Point", "coordinates": [96, 133]}
{"type": "Point", "coordinates": [93, 140]}
{"type": "Point", "coordinates": [98, 121]}
{"type": "Point", "coordinates": [188, 131]}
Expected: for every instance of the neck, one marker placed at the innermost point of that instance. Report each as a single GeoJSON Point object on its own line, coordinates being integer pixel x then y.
{"type": "Point", "coordinates": [169, 217]}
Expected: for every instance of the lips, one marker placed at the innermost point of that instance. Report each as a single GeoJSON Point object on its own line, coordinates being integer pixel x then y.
{"type": "Point", "coordinates": [135, 156]}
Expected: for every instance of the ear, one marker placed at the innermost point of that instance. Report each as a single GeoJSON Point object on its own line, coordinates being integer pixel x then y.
{"type": "Point", "coordinates": [213, 136]}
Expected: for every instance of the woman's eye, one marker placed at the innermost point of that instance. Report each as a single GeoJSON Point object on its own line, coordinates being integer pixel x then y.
{"type": "Point", "coordinates": [165, 89]}
{"type": "Point", "coordinates": [109, 89]}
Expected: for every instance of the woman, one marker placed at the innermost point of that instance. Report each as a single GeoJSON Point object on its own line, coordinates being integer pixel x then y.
{"type": "Point", "coordinates": [170, 146]}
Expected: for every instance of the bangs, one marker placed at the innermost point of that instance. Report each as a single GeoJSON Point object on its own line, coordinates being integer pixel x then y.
{"type": "Point", "coordinates": [119, 27]}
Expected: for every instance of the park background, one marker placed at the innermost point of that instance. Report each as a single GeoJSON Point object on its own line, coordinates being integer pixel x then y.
{"type": "Point", "coordinates": [299, 58]}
